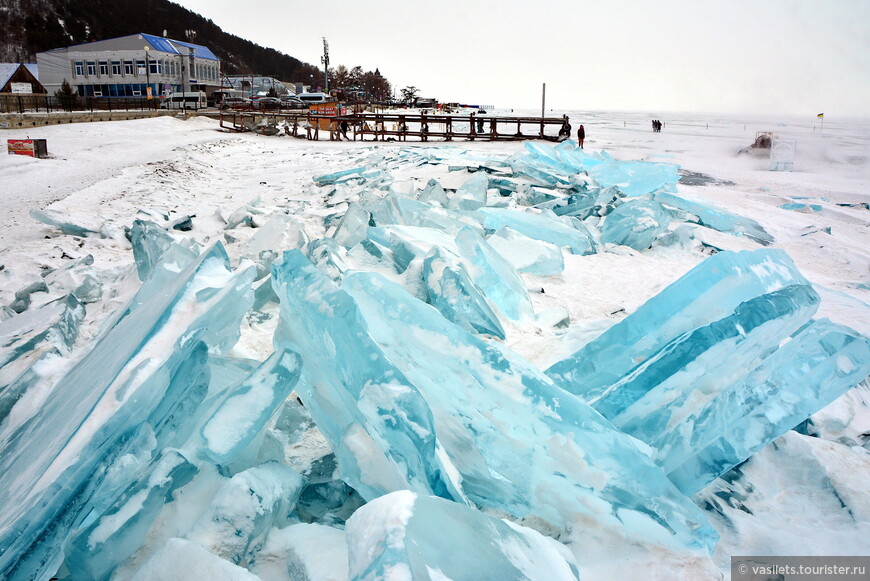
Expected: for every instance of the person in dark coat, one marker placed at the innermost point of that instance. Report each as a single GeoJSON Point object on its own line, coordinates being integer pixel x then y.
{"type": "Point", "coordinates": [581, 135]}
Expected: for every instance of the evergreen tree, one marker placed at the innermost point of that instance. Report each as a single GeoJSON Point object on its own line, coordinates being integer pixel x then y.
{"type": "Point", "coordinates": [66, 95]}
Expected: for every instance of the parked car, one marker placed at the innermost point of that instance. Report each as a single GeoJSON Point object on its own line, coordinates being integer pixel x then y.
{"type": "Point", "coordinates": [236, 103]}
{"type": "Point", "coordinates": [292, 102]}
{"type": "Point", "coordinates": [315, 97]}
{"type": "Point", "coordinates": [267, 103]}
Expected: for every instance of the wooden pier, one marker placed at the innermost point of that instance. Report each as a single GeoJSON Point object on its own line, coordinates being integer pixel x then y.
{"type": "Point", "coordinates": [399, 127]}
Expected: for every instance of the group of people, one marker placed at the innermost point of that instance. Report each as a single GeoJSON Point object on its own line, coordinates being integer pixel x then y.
{"type": "Point", "coordinates": [656, 125]}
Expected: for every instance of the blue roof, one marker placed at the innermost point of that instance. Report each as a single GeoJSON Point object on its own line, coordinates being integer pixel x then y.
{"type": "Point", "coordinates": [171, 46]}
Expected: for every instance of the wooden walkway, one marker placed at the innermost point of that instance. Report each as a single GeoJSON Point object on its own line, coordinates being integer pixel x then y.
{"type": "Point", "coordinates": [399, 127]}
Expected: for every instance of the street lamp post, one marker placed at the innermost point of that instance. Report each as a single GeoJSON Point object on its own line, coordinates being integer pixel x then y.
{"type": "Point", "coordinates": [147, 74]}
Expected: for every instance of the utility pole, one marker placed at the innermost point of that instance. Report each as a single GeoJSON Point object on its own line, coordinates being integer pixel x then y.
{"type": "Point", "coordinates": [543, 99]}
{"type": "Point", "coordinates": [325, 60]}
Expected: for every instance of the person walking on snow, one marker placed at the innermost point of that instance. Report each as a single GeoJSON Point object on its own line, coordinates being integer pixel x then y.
{"type": "Point", "coordinates": [581, 135]}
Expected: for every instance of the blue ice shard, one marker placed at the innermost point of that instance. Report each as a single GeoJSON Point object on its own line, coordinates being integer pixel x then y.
{"type": "Point", "coordinates": [245, 508]}
{"type": "Point", "coordinates": [708, 293]}
{"type": "Point", "coordinates": [57, 220]}
{"type": "Point", "coordinates": [416, 213]}
{"type": "Point", "coordinates": [635, 224]}
{"type": "Point", "coordinates": [22, 296]}
{"type": "Point", "coordinates": [352, 228]}
{"type": "Point", "coordinates": [584, 203]}
{"type": "Point", "coordinates": [452, 292]}
{"type": "Point", "coordinates": [527, 254]}
{"type": "Point", "coordinates": [96, 550]}
{"type": "Point", "coordinates": [681, 377]}
{"type": "Point", "coordinates": [472, 194]}
{"type": "Point", "coordinates": [149, 242]}
{"type": "Point", "coordinates": [328, 256]}
{"type": "Point", "coordinates": [552, 158]}
{"type": "Point", "coordinates": [523, 446]}
{"type": "Point", "coordinates": [280, 232]}
{"type": "Point", "coordinates": [818, 364]}
{"type": "Point", "coordinates": [377, 423]}
{"type": "Point", "coordinates": [247, 408]}
{"type": "Point", "coordinates": [76, 278]}
{"type": "Point", "coordinates": [544, 226]}
{"type": "Point", "coordinates": [410, 242]}
{"type": "Point", "coordinates": [717, 218]}
{"type": "Point", "coordinates": [494, 276]}
{"type": "Point", "coordinates": [636, 178]}
{"type": "Point", "coordinates": [332, 178]}
{"type": "Point", "coordinates": [144, 374]}
{"type": "Point", "coordinates": [420, 535]}
{"type": "Point", "coordinates": [434, 193]}
{"type": "Point", "coordinates": [52, 327]}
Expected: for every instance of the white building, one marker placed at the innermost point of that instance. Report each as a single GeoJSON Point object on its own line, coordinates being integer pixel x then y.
{"type": "Point", "coordinates": [129, 66]}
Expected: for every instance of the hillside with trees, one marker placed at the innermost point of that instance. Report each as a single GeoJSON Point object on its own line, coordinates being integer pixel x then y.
{"type": "Point", "coordinates": [32, 26]}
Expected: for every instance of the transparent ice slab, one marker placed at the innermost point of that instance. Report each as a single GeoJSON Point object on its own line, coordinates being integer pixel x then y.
{"type": "Point", "coordinates": [454, 294]}
{"type": "Point", "coordinates": [410, 242]}
{"type": "Point", "coordinates": [636, 178]}
{"type": "Point", "coordinates": [433, 194]}
{"type": "Point", "coordinates": [544, 226]}
{"type": "Point", "coordinates": [472, 194]}
{"type": "Point", "coordinates": [248, 406]}
{"type": "Point", "coordinates": [820, 363]}
{"type": "Point", "coordinates": [708, 293]}
{"type": "Point", "coordinates": [280, 232]}
{"type": "Point", "coordinates": [523, 446]}
{"type": "Point", "coordinates": [494, 275]}
{"type": "Point", "coordinates": [52, 326]}
{"type": "Point", "coordinates": [144, 373]}
{"type": "Point", "coordinates": [55, 219]}
{"type": "Point", "coordinates": [96, 550]}
{"type": "Point", "coordinates": [527, 254]}
{"type": "Point", "coordinates": [352, 228]}
{"type": "Point", "coordinates": [378, 425]}
{"type": "Point", "coordinates": [635, 224]}
{"type": "Point", "coordinates": [718, 219]}
{"type": "Point", "coordinates": [150, 241]}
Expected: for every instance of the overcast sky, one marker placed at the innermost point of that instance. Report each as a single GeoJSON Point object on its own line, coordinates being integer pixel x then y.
{"type": "Point", "coordinates": [797, 57]}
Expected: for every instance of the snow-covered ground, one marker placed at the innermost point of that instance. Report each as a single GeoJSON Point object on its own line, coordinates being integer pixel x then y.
{"type": "Point", "coordinates": [103, 175]}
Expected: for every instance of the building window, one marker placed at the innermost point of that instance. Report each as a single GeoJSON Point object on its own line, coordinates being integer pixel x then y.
{"type": "Point", "coordinates": [92, 68]}
{"type": "Point", "coordinates": [116, 67]}
{"type": "Point", "coordinates": [140, 67]}
{"type": "Point", "coordinates": [104, 67]}
{"type": "Point", "coordinates": [154, 66]}
{"type": "Point", "coordinates": [128, 67]}
{"type": "Point", "coordinates": [80, 68]}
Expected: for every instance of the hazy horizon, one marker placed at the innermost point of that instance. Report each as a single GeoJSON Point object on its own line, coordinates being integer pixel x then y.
{"type": "Point", "coordinates": [794, 57]}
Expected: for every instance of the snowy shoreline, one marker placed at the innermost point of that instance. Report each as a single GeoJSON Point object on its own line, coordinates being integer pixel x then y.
{"type": "Point", "coordinates": [103, 176]}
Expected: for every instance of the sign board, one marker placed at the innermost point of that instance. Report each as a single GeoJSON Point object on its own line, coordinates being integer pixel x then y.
{"type": "Point", "coordinates": [141, 70]}
{"type": "Point", "coordinates": [782, 153]}
{"type": "Point", "coordinates": [148, 91]}
{"type": "Point", "coordinates": [329, 109]}
{"type": "Point", "coordinates": [22, 88]}
{"type": "Point", "coordinates": [29, 147]}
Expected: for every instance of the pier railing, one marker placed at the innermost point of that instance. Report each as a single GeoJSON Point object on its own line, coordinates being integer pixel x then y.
{"type": "Point", "coordinates": [400, 127]}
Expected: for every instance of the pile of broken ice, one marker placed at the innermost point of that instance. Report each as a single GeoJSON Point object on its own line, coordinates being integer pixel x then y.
{"type": "Point", "coordinates": [151, 447]}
